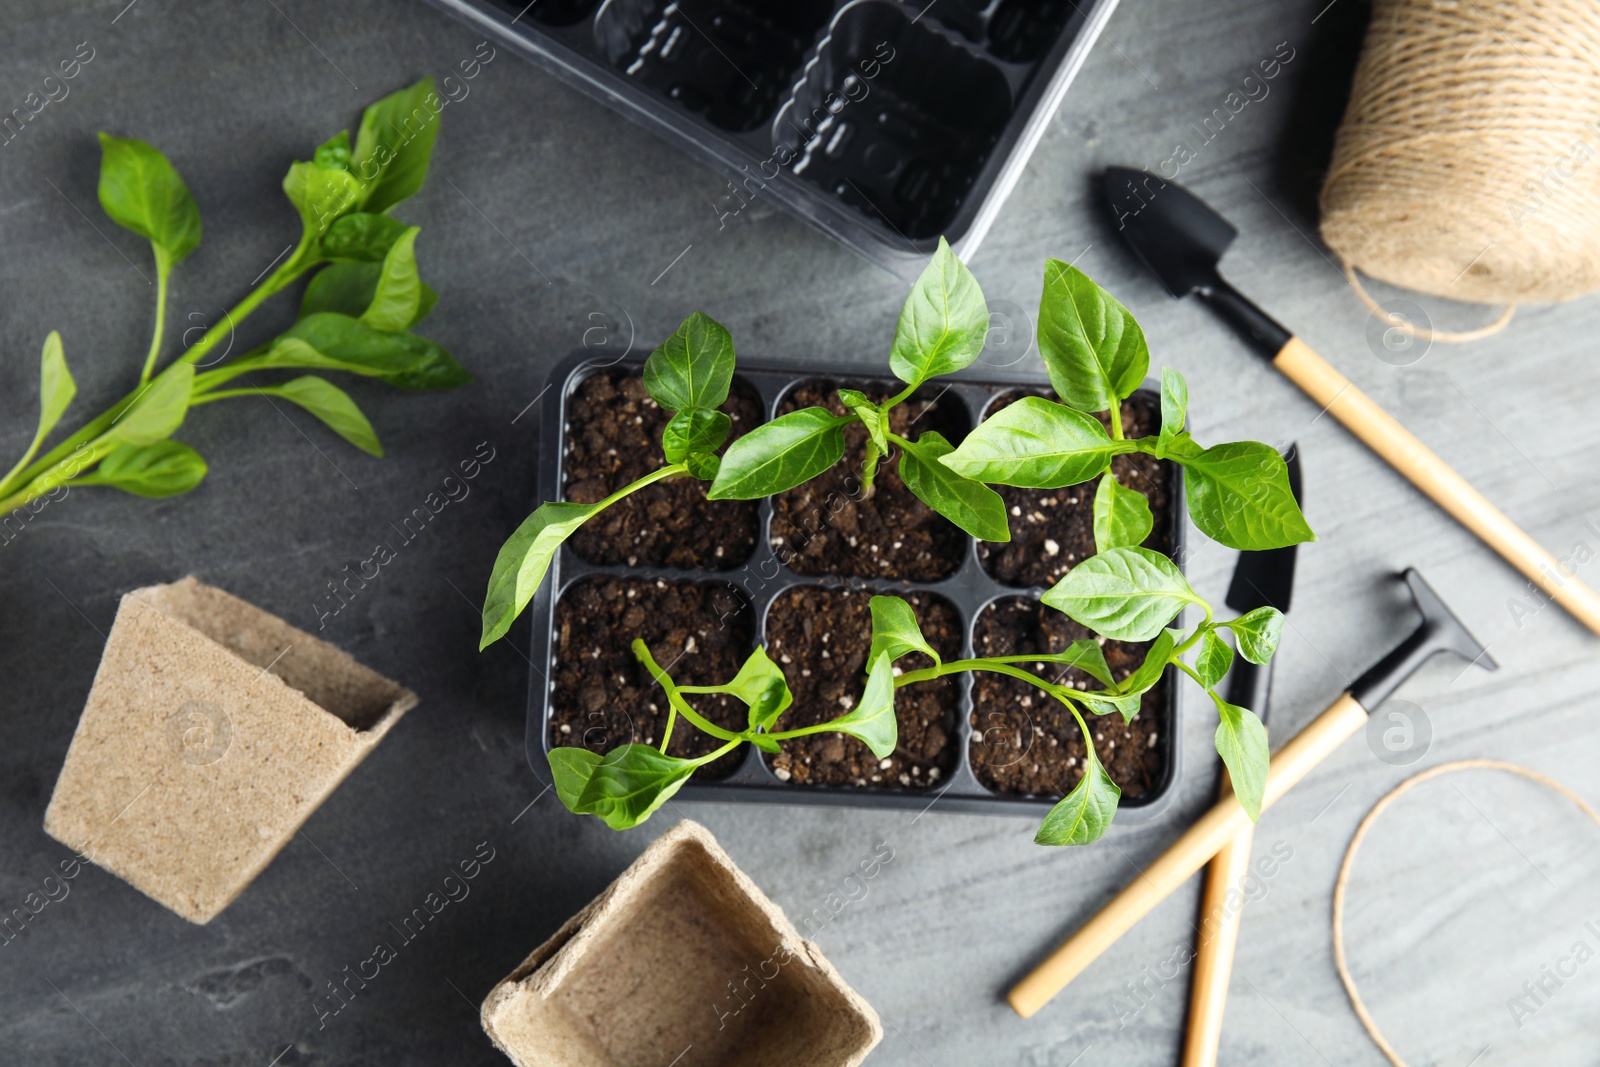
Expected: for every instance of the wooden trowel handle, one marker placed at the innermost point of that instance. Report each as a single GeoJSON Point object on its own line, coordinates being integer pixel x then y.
{"type": "Point", "coordinates": [1187, 855]}
{"type": "Point", "coordinates": [1381, 433]}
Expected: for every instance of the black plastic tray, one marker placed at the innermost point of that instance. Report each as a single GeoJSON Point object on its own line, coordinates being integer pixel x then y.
{"type": "Point", "coordinates": [970, 589]}
{"type": "Point", "coordinates": [884, 123]}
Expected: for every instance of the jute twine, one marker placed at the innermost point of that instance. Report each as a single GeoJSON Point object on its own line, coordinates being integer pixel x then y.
{"type": "Point", "coordinates": [1468, 163]}
{"type": "Point", "coordinates": [1360, 836]}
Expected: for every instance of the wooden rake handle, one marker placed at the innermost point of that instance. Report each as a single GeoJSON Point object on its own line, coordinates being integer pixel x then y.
{"type": "Point", "coordinates": [1214, 830]}
{"type": "Point", "coordinates": [1219, 935]}
{"type": "Point", "coordinates": [1379, 431]}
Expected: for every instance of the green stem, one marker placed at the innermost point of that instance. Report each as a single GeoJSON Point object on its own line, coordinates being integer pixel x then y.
{"type": "Point", "coordinates": [57, 475]}
{"type": "Point", "coordinates": [207, 380]}
{"type": "Point", "coordinates": [716, 753]}
{"type": "Point", "coordinates": [999, 665]}
{"type": "Point", "coordinates": [224, 394]}
{"type": "Point", "coordinates": [1116, 419]}
{"type": "Point", "coordinates": [163, 271]}
{"type": "Point", "coordinates": [674, 699]}
{"type": "Point", "coordinates": [1199, 632]}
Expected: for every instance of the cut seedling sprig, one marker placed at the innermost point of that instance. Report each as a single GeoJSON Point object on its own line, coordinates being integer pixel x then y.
{"type": "Point", "coordinates": [355, 317]}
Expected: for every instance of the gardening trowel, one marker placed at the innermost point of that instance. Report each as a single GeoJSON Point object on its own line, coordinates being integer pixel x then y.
{"type": "Point", "coordinates": [1440, 631]}
{"type": "Point", "coordinates": [1260, 579]}
{"type": "Point", "coordinates": [1181, 240]}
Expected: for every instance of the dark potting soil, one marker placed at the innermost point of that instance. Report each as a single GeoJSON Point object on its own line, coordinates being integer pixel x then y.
{"type": "Point", "coordinates": [1051, 529]}
{"type": "Point", "coordinates": [820, 638]}
{"type": "Point", "coordinates": [603, 697]}
{"type": "Point", "coordinates": [825, 527]}
{"type": "Point", "coordinates": [614, 438]}
{"type": "Point", "coordinates": [1025, 742]}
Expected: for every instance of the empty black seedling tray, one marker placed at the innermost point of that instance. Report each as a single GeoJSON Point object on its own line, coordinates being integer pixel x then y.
{"type": "Point", "coordinates": [886, 124]}
{"type": "Point", "coordinates": [762, 578]}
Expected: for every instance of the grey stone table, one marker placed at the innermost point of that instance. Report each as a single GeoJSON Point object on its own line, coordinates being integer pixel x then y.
{"type": "Point", "coordinates": [543, 209]}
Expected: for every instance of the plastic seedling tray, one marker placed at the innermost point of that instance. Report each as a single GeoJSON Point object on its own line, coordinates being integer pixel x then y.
{"type": "Point", "coordinates": [885, 124]}
{"type": "Point", "coordinates": [762, 579]}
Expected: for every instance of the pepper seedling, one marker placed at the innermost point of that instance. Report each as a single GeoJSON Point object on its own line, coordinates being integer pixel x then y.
{"type": "Point", "coordinates": [688, 374]}
{"type": "Point", "coordinates": [1238, 494]}
{"type": "Point", "coordinates": [628, 783]}
{"type": "Point", "coordinates": [941, 330]}
{"type": "Point", "coordinates": [356, 315]}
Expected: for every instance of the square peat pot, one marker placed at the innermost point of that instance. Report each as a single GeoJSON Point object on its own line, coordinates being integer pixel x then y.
{"type": "Point", "coordinates": [212, 732]}
{"type": "Point", "coordinates": [885, 124]}
{"type": "Point", "coordinates": [702, 583]}
{"type": "Point", "coordinates": [682, 956]}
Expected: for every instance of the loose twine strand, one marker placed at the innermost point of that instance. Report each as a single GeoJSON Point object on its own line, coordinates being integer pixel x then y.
{"type": "Point", "coordinates": [1355, 845]}
{"type": "Point", "coordinates": [1425, 333]}
{"type": "Point", "coordinates": [1468, 162]}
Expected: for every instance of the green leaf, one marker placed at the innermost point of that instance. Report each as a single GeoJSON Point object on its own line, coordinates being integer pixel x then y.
{"type": "Point", "coordinates": [159, 409]}
{"type": "Point", "coordinates": [56, 387]}
{"type": "Point", "coordinates": [780, 454]}
{"type": "Point", "coordinates": [1258, 632]}
{"type": "Point", "coordinates": [629, 783]}
{"type": "Point", "coordinates": [1127, 594]}
{"type": "Point", "coordinates": [570, 771]}
{"type": "Point", "coordinates": [401, 359]}
{"type": "Point", "coordinates": [699, 430]}
{"type": "Point", "coordinates": [334, 407]}
{"type": "Point", "coordinates": [522, 562]}
{"type": "Point", "coordinates": [1093, 350]}
{"type": "Point", "coordinates": [1239, 496]}
{"type": "Point", "coordinates": [1083, 815]}
{"type": "Point", "coordinates": [1174, 406]}
{"type": "Point", "coordinates": [348, 288]}
{"type": "Point", "coordinates": [362, 237]}
{"type": "Point", "coordinates": [703, 465]}
{"type": "Point", "coordinates": [334, 153]}
{"type": "Point", "coordinates": [1086, 655]}
{"type": "Point", "coordinates": [761, 685]}
{"type": "Point", "coordinates": [161, 469]}
{"type": "Point", "coordinates": [1213, 659]}
{"type": "Point", "coordinates": [1121, 515]}
{"type": "Point", "coordinates": [895, 631]}
{"type": "Point", "coordinates": [321, 194]}
{"type": "Point", "coordinates": [1177, 447]}
{"type": "Point", "coordinates": [873, 719]}
{"type": "Point", "coordinates": [943, 323]}
{"type": "Point", "coordinates": [1242, 744]}
{"type": "Point", "coordinates": [871, 416]}
{"type": "Point", "coordinates": [394, 143]}
{"type": "Point", "coordinates": [142, 192]}
{"type": "Point", "coordinates": [1104, 702]}
{"type": "Point", "coordinates": [1036, 444]}
{"type": "Point", "coordinates": [345, 288]}
{"type": "Point", "coordinates": [56, 390]}
{"type": "Point", "coordinates": [1154, 665]}
{"type": "Point", "coordinates": [398, 296]}
{"type": "Point", "coordinates": [971, 505]}
{"type": "Point", "coordinates": [693, 368]}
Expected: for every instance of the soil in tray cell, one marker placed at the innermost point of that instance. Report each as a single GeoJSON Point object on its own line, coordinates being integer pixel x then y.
{"type": "Point", "coordinates": [1052, 529]}
{"type": "Point", "coordinates": [613, 436]}
{"type": "Point", "coordinates": [602, 695]}
{"type": "Point", "coordinates": [828, 526]}
{"type": "Point", "coordinates": [819, 638]}
{"type": "Point", "coordinates": [1024, 742]}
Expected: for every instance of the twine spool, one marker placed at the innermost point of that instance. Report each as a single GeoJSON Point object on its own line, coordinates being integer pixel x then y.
{"type": "Point", "coordinates": [1468, 163]}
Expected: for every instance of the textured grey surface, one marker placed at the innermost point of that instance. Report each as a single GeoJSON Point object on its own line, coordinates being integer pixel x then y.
{"type": "Point", "coordinates": [543, 208]}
